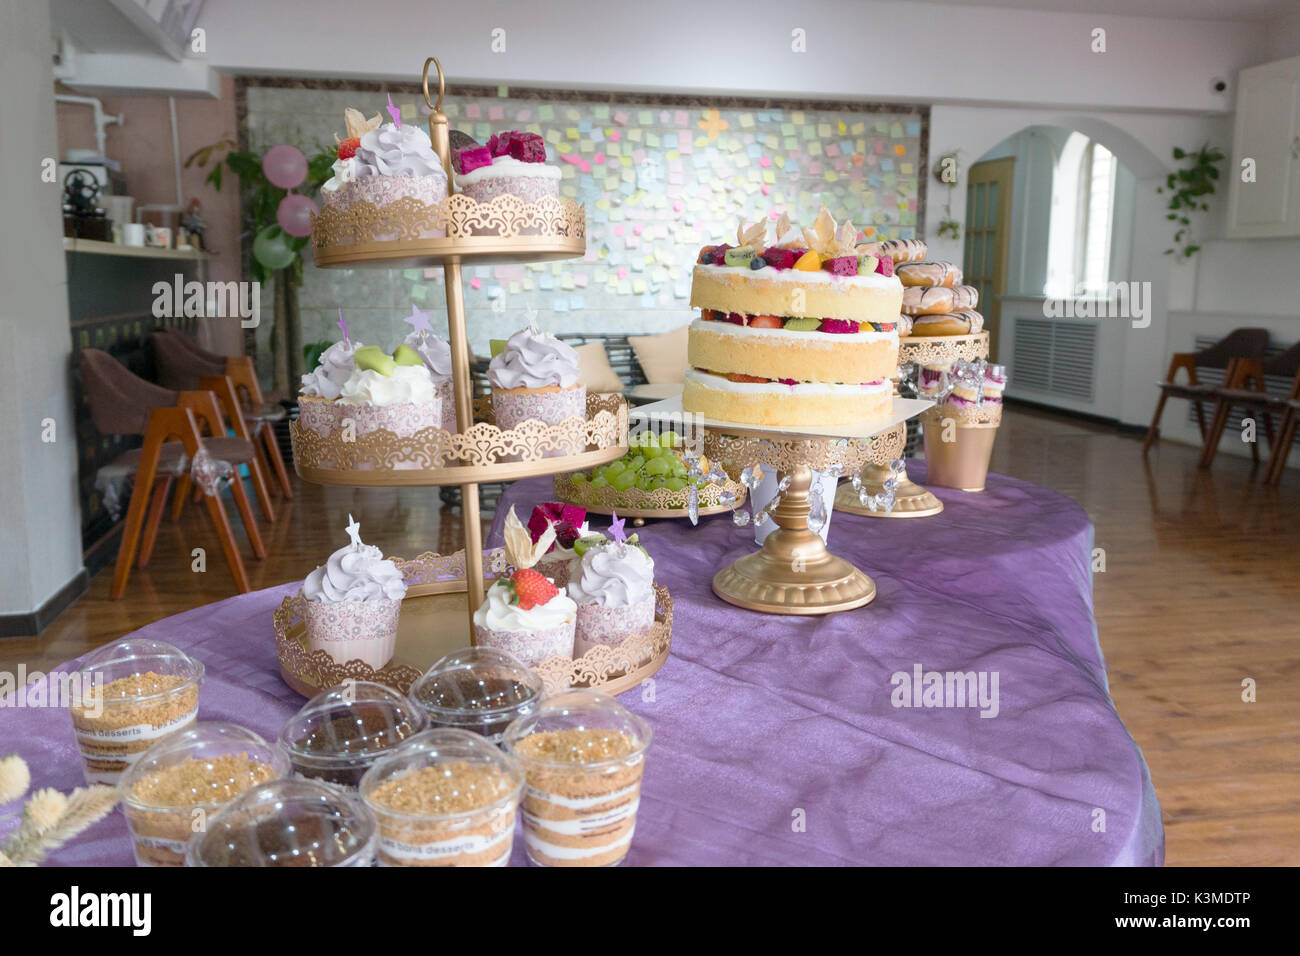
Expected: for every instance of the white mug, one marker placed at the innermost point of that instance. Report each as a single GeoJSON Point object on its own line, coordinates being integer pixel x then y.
{"type": "Point", "coordinates": [133, 233]}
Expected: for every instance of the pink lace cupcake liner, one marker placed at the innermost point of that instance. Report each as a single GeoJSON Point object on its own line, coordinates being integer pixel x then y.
{"type": "Point", "coordinates": [403, 419]}
{"type": "Point", "coordinates": [383, 191]}
{"type": "Point", "coordinates": [447, 398]}
{"type": "Point", "coordinates": [611, 624]}
{"type": "Point", "coordinates": [513, 406]}
{"type": "Point", "coordinates": [353, 630]}
{"type": "Point", "coordinates": [530, 647]}
{"type": "Point", "coordinates": [527, 188]}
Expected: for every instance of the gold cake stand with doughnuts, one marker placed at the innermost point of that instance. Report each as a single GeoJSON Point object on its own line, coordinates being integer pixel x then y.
{"type": "Point", "coordinates": [458, 230]}
{"type": "Point", "coordinates": [910, 499]}
{"type": "Point", "coordinates": [794, 572]}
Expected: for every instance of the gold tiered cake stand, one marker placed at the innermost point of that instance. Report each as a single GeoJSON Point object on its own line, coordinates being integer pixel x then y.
{"type": "Point", "coordinates": [506, 229]}
{"type": "Point", "coordinates": [910, 499]}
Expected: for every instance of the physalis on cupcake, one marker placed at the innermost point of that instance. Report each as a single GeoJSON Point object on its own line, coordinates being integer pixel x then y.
{"type": "Point", "coordinates": [525, 614]}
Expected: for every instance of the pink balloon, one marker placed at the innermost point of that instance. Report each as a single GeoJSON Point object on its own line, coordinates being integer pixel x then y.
{"type": "Point", "coordinates": [294, 214]}
{"type": "Point", "coordinates": [285, 166]}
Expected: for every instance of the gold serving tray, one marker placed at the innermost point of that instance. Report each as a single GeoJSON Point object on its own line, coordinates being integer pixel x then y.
{"type": "Point", "coordinates": [476, 456]}
{"type": "Point", "coordinates": [433, 623]}
{"type": "Point", "coordinates": [634, 503]}
{"type": "Point", "coordinates": [943, 349]}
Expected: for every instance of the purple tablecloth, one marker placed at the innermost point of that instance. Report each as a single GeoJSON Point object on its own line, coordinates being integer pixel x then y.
{"type": "Point", "coordinates": [776, 741]}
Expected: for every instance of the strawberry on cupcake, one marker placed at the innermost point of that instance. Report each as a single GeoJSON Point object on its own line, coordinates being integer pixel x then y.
{"type": "Point", "coordinates": [525, 614]}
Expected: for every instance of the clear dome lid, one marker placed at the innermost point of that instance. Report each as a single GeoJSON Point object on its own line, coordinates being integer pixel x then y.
{"type": "Point", "coordinates": [355, 721]}
{"type": "Point", "coordinates": [404, 789]}
{"type": "Point", "coordinates": [202, 767]}
{"type": "Point", "coordinates": [288, 822]}
{"type": "Point", "coordinates": [146, 668]}
{"type": "Point", "coordinates": [582, 727]}
{"type": "Point", "coordinates": [474, 683]}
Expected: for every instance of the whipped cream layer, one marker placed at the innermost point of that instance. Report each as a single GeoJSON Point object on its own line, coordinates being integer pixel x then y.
{"type": "Point", "coordinates": [409, 384]}
{"type": "Point", "coordinates": [507, 167]}
{"type": "Point", "coordinates": [534, 360]}
{"type": "Point", "coordinates": [497, 613]}
{"type": "Point", "coordinates": [355, 573]}
{"type": "Point", "coordinates": [800, 277]}
{"type": "Point", "coordinates": [332, 372]}
{"type": "Point", "coordinates": [778, 388]}
{"type": "Point", "coordinates": [615, 575]}
{"type": "Point", "coordinates": [790, 335]}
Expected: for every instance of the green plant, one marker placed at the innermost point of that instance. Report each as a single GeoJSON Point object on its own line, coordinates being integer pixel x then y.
{"type": "Point", "coordinates": [1188, 189]}
{"type": "Point", "coordinates": [949, 228]}
{"type": "Point", "coordinates": [312, 351]}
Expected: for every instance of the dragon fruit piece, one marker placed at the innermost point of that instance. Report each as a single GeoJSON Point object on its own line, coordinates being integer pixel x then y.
{"type": "Point", "coordinates": [839, 326]}
{"type": "Point", "coordinates": [885, 266]}
{"type": "Point", "coordinates": [735, 318]}
{"type": "Point", "coordinates": [471, 158]}
{"type": "Point", "coordinates": [719, 255]}
{"type": "Point", "coordinates": [842, 266]}
{"type": "Point", "coordinates": [787, 381]}
{"type": "Point", "coordinates": [492, 144]}
{"type": "Point", "coordinates": [527, 148]}
{"type": "Point", "coordinates": [780, 258]}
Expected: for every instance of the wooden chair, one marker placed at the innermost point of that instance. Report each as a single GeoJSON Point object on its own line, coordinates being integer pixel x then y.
{"type": "Point", "coordinates": [1225, 354]}
{"type": "Point", "coordinates": [1255, 400]}
{"type": "Point", "coordinates": [1285, 439]}
{"type": "Point", "coordinates": [182, 364]}
{"type": "Point", "coordinates": [172, 424]}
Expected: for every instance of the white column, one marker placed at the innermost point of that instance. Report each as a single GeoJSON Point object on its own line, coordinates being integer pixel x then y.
{"type": "Point", "coordinates": [40, 541]}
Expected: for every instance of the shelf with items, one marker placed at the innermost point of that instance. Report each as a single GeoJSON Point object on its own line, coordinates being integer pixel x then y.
{"type": "Point", "coordinates": [410, 232]}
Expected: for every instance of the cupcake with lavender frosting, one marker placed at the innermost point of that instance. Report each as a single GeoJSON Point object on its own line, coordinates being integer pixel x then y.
{"type": "Point", "coordinates": [435, 353]}
{"type": "Point", "coordinates": [335, 367]}
{"type": "Point", "coordinates": [352, 602]}
{"type": "Point", "coordinates": [612, 582]}
{"type": "Point", "coordinates": [536, 376]}
{"type": "Point", "coordinates": [384, 165]}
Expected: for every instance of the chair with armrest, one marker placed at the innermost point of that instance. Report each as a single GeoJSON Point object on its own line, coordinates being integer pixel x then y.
{"type": "Point", "coordinates": [172, 424]}
{"type": "Point", "coordinates": [1223, 354]}
{"type": "Point", "coordinates": [1257, 401]}
{"type": "Point", "coordinates": [1285, 439]}
{"type": "Point", "coordinates": [182, 363]}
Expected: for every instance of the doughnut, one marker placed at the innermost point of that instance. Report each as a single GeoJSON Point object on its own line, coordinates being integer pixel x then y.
{"type": "Point", "coordinates": [965, 297]}
{"type": "Point", "coordinates": [961, 322]}
{"type": "Point", "coordinates": [904, 326]}
{"type": "Point", "coordinates": [902, 250]}
{"type": "Point", "coordinates": [927, 300]}
{"type": "Point", "coordinates": [928, 273]}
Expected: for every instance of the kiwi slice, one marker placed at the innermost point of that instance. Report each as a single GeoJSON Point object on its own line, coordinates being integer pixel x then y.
{"type": "Point", "coordinates": [588, 541]}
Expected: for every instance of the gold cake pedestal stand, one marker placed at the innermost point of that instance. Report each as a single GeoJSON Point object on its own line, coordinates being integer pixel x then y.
{"type": "Point", "coordinates": [794, 572]}
{"type": "Point", "coordinates": [910, 499]}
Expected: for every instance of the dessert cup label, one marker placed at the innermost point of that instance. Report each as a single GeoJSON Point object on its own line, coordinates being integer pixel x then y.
{"type": "Point", "coordinates": [461, 846]}
{"type": "Point", "coordinates": [579, 803]}
{"type": "Point", "coordinates": [157, 843]}
{"type": "Point", "coordinates": [138, 731]}
{"type": "Point", "coordinates": [582, 826]}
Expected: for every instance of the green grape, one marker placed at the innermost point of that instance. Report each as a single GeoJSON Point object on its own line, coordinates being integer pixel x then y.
{"type": "Point", "coordinates": [636, 463]}
{"type": "Point", "coordinates": [657, 482]}
{"type": "Point", "coordinates": [678, 467]}
{"type": "Point", "coordinates": [652, 451]}
{"type": "Point", "coordinates": [669, 439]}
{"type": "Point", "coordinates": [624, 480]}
{"type": "Point", "coordinates": [600, 481]}
{"type": "Point", "coordinates": [614, 469]}
{"type": "Point", "coordinates": [578, 478]}
{"type": "Point", "coordinates": [657, 466]}
{"type": "Point", "coordinates": [675, 483]}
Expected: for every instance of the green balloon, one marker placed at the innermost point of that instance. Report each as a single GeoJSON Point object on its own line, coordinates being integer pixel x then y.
{"type": "Point", "coordinates": [272, 249]}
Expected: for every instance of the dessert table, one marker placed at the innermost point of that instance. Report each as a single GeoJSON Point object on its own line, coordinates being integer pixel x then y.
{"type": "Point", "coordinates": [777, 739]}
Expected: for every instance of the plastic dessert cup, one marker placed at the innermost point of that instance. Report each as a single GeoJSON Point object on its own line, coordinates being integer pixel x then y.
{"type": "Point", "coordinates": [445, 798]}
{"type": "Point", "coordinates": [174, 789]}
{"type": "Point", "coordinates": [339, 734]}
{"type": "Point", "coordinates": [479, 689]}
{"type": "Point", "coordinates": [128, 695]}
{"type": "Point", "coordinates": [353, 630]}
{"type": "Point", "coordinates": [584, 754]}
{"type": "Point", "coordinates": [288, 823]}
{"type": "Point", "coordinates": [609, 624]}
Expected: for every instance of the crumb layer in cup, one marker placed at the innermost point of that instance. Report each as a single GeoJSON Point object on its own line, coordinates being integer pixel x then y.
{"type": "Point", "coordinates": [119, 720]}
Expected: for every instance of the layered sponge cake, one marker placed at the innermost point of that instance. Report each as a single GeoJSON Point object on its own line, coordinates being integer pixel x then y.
{"type": "Point", "coordinates": [803, 333]}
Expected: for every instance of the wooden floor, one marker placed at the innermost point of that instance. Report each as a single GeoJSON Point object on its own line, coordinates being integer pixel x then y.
{"type": "Point", "coordinates": [1201, 591]}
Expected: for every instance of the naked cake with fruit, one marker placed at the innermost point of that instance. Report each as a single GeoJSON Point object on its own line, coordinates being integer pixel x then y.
{"type": "Point", "coordinates": [799, 333]}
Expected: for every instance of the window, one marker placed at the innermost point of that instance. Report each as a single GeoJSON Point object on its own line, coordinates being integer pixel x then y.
{"type": "Point", "coordinates": [1083, 202]}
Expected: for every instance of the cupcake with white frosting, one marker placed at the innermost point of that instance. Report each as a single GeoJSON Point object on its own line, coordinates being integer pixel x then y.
{"type": "Point", "coordinates": [612, 581]}
{"type": "Point", "coordinates": [512, 163]}
{"type": "Point", "coordinates": [435, 352]}
{"type": "Point", "coordinates": [536, 376]}
{"type": "Point", "coordinates": [352, 602]}
{"type": "Point", "coordinates": [384, 165]}
{"type": "Point", "coordinates": [525, 614]}
{"type": "Point", "coordinates": [361, 389]}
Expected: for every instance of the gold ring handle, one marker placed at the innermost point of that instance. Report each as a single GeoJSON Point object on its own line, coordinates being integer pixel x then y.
{"type": "Point", "coordinates": [442, 84]}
